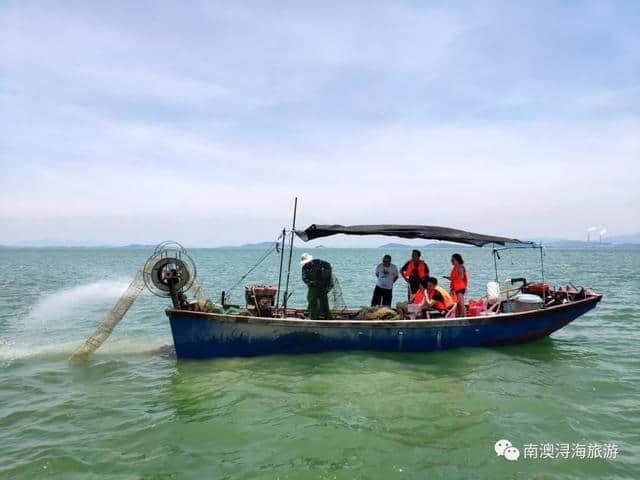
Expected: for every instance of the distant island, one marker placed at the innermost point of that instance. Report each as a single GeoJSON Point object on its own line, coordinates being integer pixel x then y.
{"type": "Point", "coordinates": [619, 241]}
{"type": "Point", "coordinates": [613, 241]}
{"type": "Point", "coordinates": [428, 245]}
{"type": "Point", "coordinates": [258, 245]}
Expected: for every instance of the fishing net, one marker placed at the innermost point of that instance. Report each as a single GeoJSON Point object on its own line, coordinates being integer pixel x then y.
{"type": "Point", "coordinates": [336, 299]}
{"type": "Point", "coordinates": [377, 313]}
{"type": "Point", "coordinates": [170, 267]}
{"type": "Point", "coordinates": [113, 317]}
{"type": "Point", "coordinates": [201, 298]}
{"type": "Point", "coordinates": [235, 310]}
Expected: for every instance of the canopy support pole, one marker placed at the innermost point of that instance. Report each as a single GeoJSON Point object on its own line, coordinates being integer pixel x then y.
{"type": "Point", "coordinates": [284, 236]}
{"type": "Point", "coordinates": [542, 262]}
{"type": "Point", "coordinates": [285, 300]}
{"type": "Point", "coordinates": [495, 262]}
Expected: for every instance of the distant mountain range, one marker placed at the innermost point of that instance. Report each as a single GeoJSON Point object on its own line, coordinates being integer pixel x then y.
{"type": "Point", "coordinates": [258, 245]}
{"type": "Point", "coordinates": [630, 240]}
{"type": "Point", "coordinates": [75, 245]}
{"type": "Point", "coordinates": [625, 241]}
{"type": "Point", "coordinates": [428, 245]}
{"type": "Point", "coordinates": [618, 241]}
{"type": "Point", "coordinates": [546, 243]}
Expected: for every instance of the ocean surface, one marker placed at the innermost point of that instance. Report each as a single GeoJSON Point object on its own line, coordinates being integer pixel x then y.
{"type": "Point", "coordinates": [136, 412]}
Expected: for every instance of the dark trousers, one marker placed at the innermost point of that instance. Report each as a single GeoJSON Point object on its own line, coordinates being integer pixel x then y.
{"type": "Point", "coordinates": [318, 303]}
{"type": "Point", "coordinates": [414, 284]}
{"type": "Point", "coordinates": [381, 296]}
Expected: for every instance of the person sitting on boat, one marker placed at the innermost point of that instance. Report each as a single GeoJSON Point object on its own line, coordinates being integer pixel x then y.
{"type": "Point", "coordinates": [417, 304]}
{"type": "Point", "coordinates": [438, 297]}
{"type": "Point", "coordinates": [316, 274]}
{"type": "Point", "coordinates": [459, 282]}
{"type": "Point", "coordinates": [414, 271]}
{"type": "Point", "coordinates": [387, 274]}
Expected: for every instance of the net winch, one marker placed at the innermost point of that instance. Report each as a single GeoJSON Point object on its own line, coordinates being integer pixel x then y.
{"type": "Point", "coordinates": [169, 272]}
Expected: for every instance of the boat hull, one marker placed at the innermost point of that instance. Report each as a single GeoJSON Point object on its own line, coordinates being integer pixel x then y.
{"type": "Point", "coordinates": [204, 335]}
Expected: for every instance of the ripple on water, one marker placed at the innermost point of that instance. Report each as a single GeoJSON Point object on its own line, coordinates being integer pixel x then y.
{"type": "Point", "coordinates": [135, 411]}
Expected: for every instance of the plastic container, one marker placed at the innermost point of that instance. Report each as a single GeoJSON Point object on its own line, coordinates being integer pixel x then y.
{"type": "Point", "coordinates": [476, 307]}
{"type": "Point", "coordinates": [526, 302]}
{"type": "Point", "coordinates": [540, 289]}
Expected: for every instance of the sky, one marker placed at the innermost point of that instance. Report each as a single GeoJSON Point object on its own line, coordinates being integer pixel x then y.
{"type": "Point", "coordinates": [136, 122]}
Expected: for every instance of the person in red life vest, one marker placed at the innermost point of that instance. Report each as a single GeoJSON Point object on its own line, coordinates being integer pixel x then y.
{"type": "Point", "coordinates": [437, 296]}
{"type": "Point", "coordinates": [417, 304]}
{"type": "Point", "coordinates": [414, 271]}
{"type": "Point", "coordinates": [459, 282]}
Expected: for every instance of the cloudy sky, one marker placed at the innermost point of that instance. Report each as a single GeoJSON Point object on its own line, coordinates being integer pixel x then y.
{"type": "Point", "coordinates": [125, 122]}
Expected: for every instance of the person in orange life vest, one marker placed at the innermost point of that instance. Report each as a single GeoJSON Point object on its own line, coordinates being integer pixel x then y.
{"type": "Point", "coordinates": [415, 270]}
{"type": "Point", "coordinates": [459, 282]}
{"type": "Point", "coordinates": [438, 297]}
{"type": "Point", "coordinates": [417, 304]}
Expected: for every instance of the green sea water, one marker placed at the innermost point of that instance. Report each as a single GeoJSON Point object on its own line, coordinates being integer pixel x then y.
{"type": "Point", "coordinates": [136, 412]}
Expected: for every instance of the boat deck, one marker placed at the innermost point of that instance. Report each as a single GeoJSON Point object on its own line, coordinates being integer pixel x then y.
{"type": "Point", "coordinates": [297, 316]}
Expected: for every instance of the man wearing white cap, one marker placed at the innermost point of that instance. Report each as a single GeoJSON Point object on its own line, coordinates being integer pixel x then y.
{"type": "Point", "coordinates": [316, 274]}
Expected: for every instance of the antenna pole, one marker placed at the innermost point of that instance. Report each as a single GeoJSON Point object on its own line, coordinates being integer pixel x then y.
{"type": "Point", "coordinates": [284, 235]}
{"type": "Point", "coordinates": [495, 262]}
{"type": "Point", "coordinates": [293, 230]}
{"type": "Point", "coordinates": [542, 264]}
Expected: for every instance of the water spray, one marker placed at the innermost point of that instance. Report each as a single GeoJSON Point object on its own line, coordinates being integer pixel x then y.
{"type": "Point", "coordinates": [169, 272]}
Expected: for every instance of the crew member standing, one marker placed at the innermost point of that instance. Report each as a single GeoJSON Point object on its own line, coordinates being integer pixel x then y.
{"type": "Point", "coordinates": [414, 271]}
{"type": "Point", "coordinates": [316, 274]}
{"type": "Point", "coordinates": [459, 282]}
{"type": "Point", "coordinates": [387, 274]}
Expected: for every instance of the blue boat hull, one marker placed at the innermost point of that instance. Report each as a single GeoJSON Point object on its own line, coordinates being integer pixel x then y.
{"type": "Point", "coordinates": [204, 335]}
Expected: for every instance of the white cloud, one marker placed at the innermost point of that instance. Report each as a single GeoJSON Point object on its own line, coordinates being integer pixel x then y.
{"type": "Point", "coordinates": [114, 121]}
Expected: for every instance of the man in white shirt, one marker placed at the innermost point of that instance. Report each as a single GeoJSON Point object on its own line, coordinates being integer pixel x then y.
{"type": "Point", "coordinates": [387, 274]}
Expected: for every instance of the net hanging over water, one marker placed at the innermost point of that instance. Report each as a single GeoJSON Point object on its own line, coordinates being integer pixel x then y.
{"type": "Point", "coordinates": [113, 317]}
{"type": "Point", "coordinates": [169, 272]}
{"type": "Point", "coordinates": [336, 299]}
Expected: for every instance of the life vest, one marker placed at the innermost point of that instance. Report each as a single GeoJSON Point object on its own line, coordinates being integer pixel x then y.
{"type": "Point", "coordinates": [421, 271]}
{"type": "Point", "coordinates": [448, 301]}
{"type": "Point", "coordinates": [418, 297]}
{"type": "Point", "coordinates": [458, 282]}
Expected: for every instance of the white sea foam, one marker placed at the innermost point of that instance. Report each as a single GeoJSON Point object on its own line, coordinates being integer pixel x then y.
{"type": "Point", "coordinates": [55, 320]}
{"type": "Point", "coordinates": [61, 307]}
{"type": "Point", "coordinates": [10, 351]}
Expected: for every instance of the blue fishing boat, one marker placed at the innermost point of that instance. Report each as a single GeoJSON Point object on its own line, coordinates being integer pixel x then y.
{"type": "Point", "coordinates": [523, 313]}
{"type": "Point", "coordinates": [203, 335]}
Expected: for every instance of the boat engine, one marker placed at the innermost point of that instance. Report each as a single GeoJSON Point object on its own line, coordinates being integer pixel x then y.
{"type": "Point", "coordinates": [262, 298]}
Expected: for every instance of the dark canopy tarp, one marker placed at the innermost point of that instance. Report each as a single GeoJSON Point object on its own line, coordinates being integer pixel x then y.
{"type": "Point", "coordinates": [405, 231]}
